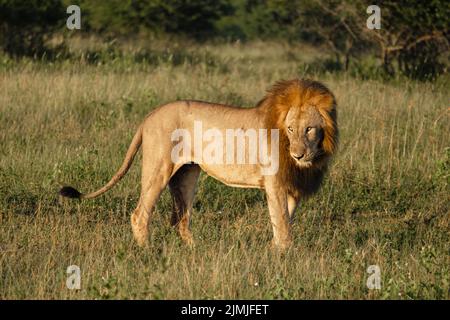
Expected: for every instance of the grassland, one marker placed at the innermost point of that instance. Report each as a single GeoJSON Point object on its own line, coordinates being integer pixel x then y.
{"type": "Point", "coordinates": [385, 201]}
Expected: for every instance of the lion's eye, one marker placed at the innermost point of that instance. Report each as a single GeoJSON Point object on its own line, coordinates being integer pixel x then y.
{"type": "Point", "coordinates": [290, 129]}
{"type": "Point", "coordinates": [308, 129]}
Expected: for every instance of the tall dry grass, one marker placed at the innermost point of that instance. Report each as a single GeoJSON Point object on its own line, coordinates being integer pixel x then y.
{"type": "Point", "coordinates": [385, 201]}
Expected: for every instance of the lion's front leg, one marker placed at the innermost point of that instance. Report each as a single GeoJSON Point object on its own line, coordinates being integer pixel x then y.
{"type": "Point", "coordinates": [277, 201]}
{"type": "Point", "coordinates": [292, 206]}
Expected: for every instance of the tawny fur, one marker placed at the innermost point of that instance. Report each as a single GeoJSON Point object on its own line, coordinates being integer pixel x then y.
{"type": "Point", "coordinates": [284, 189]}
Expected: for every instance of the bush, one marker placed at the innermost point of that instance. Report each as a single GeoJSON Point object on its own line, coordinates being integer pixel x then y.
{"type": "Point", "coordinates": [25, 25]}
{"type": "Point", "coordinates": [194, 18]}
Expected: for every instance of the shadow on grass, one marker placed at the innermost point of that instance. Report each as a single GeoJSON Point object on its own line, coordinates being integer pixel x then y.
{"type": "Point", "coordinates": [22, 203]}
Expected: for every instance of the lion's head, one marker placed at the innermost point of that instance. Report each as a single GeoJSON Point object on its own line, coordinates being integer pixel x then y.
{"type": "Point", "coordinates": [305, 113]}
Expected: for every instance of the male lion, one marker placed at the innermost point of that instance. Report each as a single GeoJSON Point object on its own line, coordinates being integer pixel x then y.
{"type": "Point", "coordinates": [303, 111]}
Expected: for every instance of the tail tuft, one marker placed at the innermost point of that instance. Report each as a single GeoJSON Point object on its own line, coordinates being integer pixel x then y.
{"type": "Point", "coordinates": [70, 192]}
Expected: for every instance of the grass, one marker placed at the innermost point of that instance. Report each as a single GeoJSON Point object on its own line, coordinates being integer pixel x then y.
{"type": "Point", "coordinates": [385, 201]}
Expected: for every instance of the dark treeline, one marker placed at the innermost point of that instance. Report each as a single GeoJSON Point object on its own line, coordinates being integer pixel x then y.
{"type": "Point", "coordinates": [413, 39]}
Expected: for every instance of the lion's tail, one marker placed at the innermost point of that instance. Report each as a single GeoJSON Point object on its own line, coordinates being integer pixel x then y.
{"type": "Point", "coordinates": [132, 150]}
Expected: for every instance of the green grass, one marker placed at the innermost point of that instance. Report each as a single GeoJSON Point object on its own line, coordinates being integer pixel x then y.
{"type": "Point", "coordinates": [385, 201]}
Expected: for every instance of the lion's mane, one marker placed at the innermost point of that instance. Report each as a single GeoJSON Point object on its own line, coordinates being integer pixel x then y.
{"type": "Point", "coordinates": [276, 104]}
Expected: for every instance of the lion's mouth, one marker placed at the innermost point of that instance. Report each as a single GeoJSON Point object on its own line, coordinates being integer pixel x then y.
{"type": "Point", "coordinates": [303, 163]}
{"type": "Point", "coordinates": [309, 160]}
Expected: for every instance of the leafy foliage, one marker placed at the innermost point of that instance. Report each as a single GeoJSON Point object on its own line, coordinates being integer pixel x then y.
{"type": "Point", "coordinates": [194, 18]}
{"type": "Point", "coordinates": [24, 25]}
{"type": "Point", "coordinates": [413, 39]}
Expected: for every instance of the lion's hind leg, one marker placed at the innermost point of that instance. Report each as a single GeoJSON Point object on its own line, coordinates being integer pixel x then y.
{"type": "Point", "coordinates": [182, 187]}
{"type": "Point", "coordinates": [153, 183]}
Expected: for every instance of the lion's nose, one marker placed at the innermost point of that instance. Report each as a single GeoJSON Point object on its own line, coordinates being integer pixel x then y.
{"type": "Point", "coordinates": [298, 157]}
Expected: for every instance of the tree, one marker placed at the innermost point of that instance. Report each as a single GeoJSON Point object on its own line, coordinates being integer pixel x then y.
{"type": "Point", "coordinates": [413, 35]}
{"type": "Point", "coordinates": [25, 25]}
{"type": "Point", "coordinates": [416, 34]}
{"type": "Point", "coordinates": [195, 18]}
{"type": "Point", "coordinates": [339, 25]}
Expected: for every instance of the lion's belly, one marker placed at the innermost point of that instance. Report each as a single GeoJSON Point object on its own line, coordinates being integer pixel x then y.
{"type": "Point", "coordinates": [243, 176]}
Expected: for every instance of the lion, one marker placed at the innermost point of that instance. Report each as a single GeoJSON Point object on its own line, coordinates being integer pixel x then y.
{"type": "Point", "coordinates": [301, 111]}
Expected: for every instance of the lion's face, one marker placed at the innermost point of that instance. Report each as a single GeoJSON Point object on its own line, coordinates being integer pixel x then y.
{"type": "Point", "coordinates": [305, 131]}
